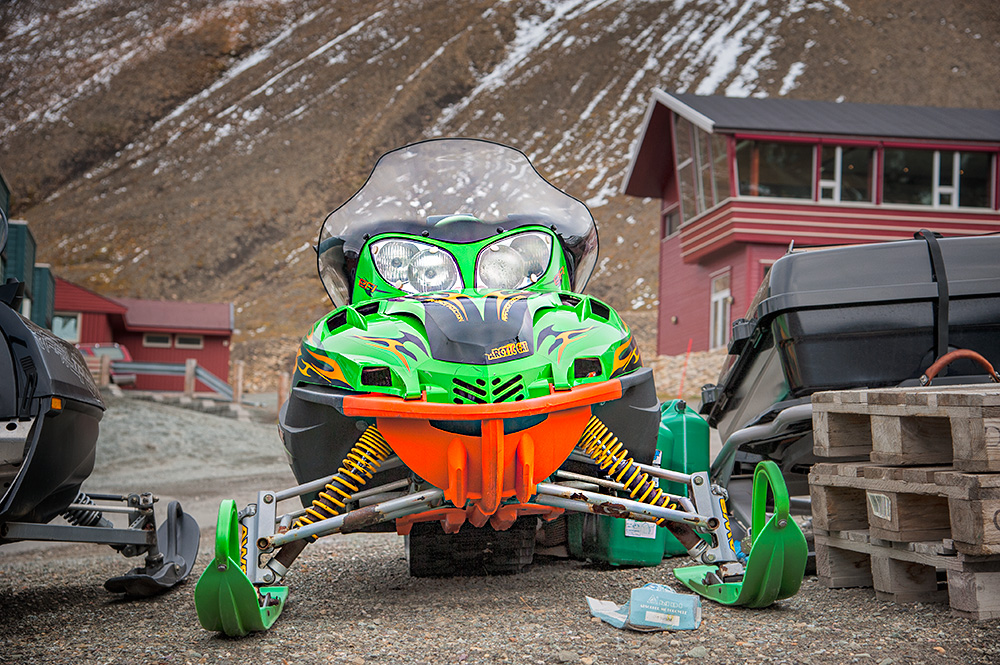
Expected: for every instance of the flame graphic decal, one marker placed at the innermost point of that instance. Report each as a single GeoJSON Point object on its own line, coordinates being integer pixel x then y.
{"type": "Point", "coordinates": [395, 346]}
{"type": "Point", "coordinates": [626, 357]}
{"type": "Point", "coordinates": [453, 301]}
{"type": "Point", "coordinates": [324, 367]}
{"type": "Point", "coordinates": [505, 300]}
{"type": "Point", "coordinates": [562, 339]}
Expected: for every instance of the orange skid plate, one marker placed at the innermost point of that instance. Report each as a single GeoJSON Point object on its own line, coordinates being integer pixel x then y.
{"type": "Point", "coordinates": [494, 466]}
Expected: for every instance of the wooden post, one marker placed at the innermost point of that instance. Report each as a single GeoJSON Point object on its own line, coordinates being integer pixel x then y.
{"type": "Point", "coordinates": [190, 365]}
{"type": "Point", "coordinates": [240, 365]}
{"type": "Point", "coordinates": [104, 378]}
{"type": "Point", "coordinates": [283, 388]}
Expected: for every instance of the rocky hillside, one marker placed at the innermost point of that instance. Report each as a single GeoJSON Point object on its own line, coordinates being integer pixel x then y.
{"type": "Point", "coordinates": [190, 148]}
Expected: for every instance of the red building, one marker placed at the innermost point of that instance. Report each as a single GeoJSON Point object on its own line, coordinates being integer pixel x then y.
{"type": "Point", "coordinates": [740, 179]}
{"type": "Point", "coordinates": [152, 331]}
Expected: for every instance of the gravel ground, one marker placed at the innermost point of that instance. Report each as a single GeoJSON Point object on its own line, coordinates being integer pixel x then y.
{"type": "Point", "coordinates": [352, 601]}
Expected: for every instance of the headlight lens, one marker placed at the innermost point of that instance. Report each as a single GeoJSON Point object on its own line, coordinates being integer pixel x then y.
{"type": "Point", "coordinates": [500, 267]}
{"type": "Point", "coordinates": [392, 258]}
{"type": "Point", "coordinates": [414, 266]}
{"type": "Point", "coordinates": [433, 270]}
{"type": "Point", "coordinates": [514, 262]}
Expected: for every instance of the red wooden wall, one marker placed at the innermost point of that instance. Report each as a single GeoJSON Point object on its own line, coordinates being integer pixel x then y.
{"type": "Point", "coordinates": [214, 357]}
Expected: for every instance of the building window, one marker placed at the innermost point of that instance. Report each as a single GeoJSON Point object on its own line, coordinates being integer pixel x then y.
{"type": "Point", "coordinates": [846, 174]}
{"type": "Point", "coordinates": [702, 169]}
{"type": "Point", "coordinates": [720, 167]}
{"type": "Point", "coordinates": [66, 325]}
{"type": "Point", "coordinates": [974, 171]}
{"type": "Point", "coordinates": [719, 316]}
{"type": "Point", "coordinates": [908, 176]}
{"type": "Point", "coordinates": [782, 170]}
{"type": "Point", "coordinates": [937, 178]}
{"type": "Point", "coordinates": [156, 340]}
{"type": "Point", "coordinates": [189, 342]}
{"type": "Point", "coordinates": [684, 141]}
{"type": "Point", "coordinates": [670, 221]}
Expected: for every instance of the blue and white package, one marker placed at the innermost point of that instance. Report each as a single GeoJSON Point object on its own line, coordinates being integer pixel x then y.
{"type": "Point", "coordinates": [658, 606]}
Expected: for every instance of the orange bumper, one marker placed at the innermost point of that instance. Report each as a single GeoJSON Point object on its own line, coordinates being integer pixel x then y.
{"type": "Point", "coordinates": [494, 466]}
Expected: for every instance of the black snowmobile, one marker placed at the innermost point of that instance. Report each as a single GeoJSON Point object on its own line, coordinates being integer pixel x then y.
{"type": "Point", "coordinates": [50, 410]}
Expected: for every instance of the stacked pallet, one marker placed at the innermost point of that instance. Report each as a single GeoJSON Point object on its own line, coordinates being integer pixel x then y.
{"type": "Point", "coordinates": [919, 520]}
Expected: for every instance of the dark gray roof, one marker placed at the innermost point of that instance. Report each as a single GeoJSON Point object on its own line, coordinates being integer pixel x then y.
{"type": "Point", "coordinates": [748, 114]}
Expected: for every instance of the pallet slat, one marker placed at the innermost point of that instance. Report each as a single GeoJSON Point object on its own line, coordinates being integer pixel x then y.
{"type": "Point", "coordinates": [957, 425]}
{"type": "Point", "coordinates": [909, 503]}
{"type": "Point", "coordinates": [909, 572]}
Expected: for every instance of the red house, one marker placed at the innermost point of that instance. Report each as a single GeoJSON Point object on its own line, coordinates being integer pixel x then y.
{"type": "Point", "coordinates": [152, 331]}
{"type": "Point", "coordinates": [740, 179]}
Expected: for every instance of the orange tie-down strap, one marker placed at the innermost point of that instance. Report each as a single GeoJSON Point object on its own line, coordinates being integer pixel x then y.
{"type": "Point", "coordinates": [495, 465]}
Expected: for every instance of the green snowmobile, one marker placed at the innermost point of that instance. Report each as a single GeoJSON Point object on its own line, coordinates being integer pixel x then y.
{"type": "Point", "coordinates": [462, 388]}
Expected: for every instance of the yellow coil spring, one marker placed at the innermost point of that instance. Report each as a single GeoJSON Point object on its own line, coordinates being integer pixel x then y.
{"type": "Point", "coordinates": [357, 468]}
{"type": "Point", "coordinates": [612, 458]}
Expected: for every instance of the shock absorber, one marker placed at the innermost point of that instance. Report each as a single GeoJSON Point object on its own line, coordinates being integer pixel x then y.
{"type": "Point", "coordinates": [358, 467]}
{"type": "Point", "coordinates": [613, 460]}
{"type": "Point", "coordinates": [83, 516]}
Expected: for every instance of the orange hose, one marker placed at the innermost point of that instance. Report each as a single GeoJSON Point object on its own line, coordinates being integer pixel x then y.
{"type": "Point", "coordinates": [952, 356]}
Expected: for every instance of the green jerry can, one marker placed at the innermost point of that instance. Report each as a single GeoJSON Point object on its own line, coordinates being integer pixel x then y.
{"type": "Point", "coordinates": [681, 445]}
{"type": "Point", "coordinates": [683, 437]}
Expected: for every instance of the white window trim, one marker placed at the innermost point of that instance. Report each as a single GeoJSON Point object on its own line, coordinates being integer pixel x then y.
{"type": "Point", "coordinates": [838, 157]}
{"type": "Point", "coordinates": [157, 345]}
{"type": "Point", "coordinates": [721, 301]}
{"type": "Point", "coordinates": [79, 323]}
{"type": "Point", "coordinates": [949, 190]}
{"type": "Point", "coordinates": [182, 345]}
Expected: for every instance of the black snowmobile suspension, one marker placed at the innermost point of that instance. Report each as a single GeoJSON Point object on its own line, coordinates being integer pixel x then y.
{"type": "Point", "coordinates": [84, 517]}
{"type": "Point", "coordinates": [358, 467]}
{"type": "Point", "coordinates": [613, 459]}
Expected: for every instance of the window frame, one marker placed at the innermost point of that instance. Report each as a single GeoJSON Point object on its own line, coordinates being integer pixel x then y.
{"type": "Point", "coordinates": [79, 324]}
{"type": "Point", "coordinates": [157, 345]}
{"type": "Point", "coordinates": [720, 303]}
{"type": "Point", "coordinates": [180, 345]}
{"type": "Point", "coordinates": [755, 162]}
{"type": "Point", "coordinates": [952, 193]}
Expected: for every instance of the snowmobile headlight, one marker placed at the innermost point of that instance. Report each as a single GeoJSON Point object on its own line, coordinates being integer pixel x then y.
{"type": "Point", "coordinates": [433, 270]}
{"type": "Point", "coordinates": [392, 259]}
{"type": "Point", "coordinates": [500, 267]}
{"type": "Point", "coordinates": [514, 262]}
{"type": "Point", "coordinates": [415, 266]}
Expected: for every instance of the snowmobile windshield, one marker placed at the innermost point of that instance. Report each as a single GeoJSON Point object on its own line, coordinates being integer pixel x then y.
{"type": "Point", "coordinates": [452, 190]}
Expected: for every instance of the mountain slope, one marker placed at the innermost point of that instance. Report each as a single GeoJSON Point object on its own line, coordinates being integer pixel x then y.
{"type": "Point", "coordinates": [190, 149]}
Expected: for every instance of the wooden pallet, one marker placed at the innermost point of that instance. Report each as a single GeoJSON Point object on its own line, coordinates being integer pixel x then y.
{"type": "Point", "coordinates": [909, 504]}
{"type": "Point", "coordinates": [910, 572]}
{"type": "Point", "coordinates": [957, 425]}
{"type": "Point", "coordinates": [900, 529]}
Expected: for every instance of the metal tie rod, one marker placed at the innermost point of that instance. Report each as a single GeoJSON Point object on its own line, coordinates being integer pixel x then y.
{"type": "Point", "coordinates": [98, 508]}
{"type": "Point", "coordinates": [382, 512]}
{"type": "Point", "coordinates": [666, 474]}
{"type": "Point", "coordinates": [320, 483]}
{"type": "Point", "coordinates": [610, 505]}
{"type": "Point", "coordinates": [684, 502]}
